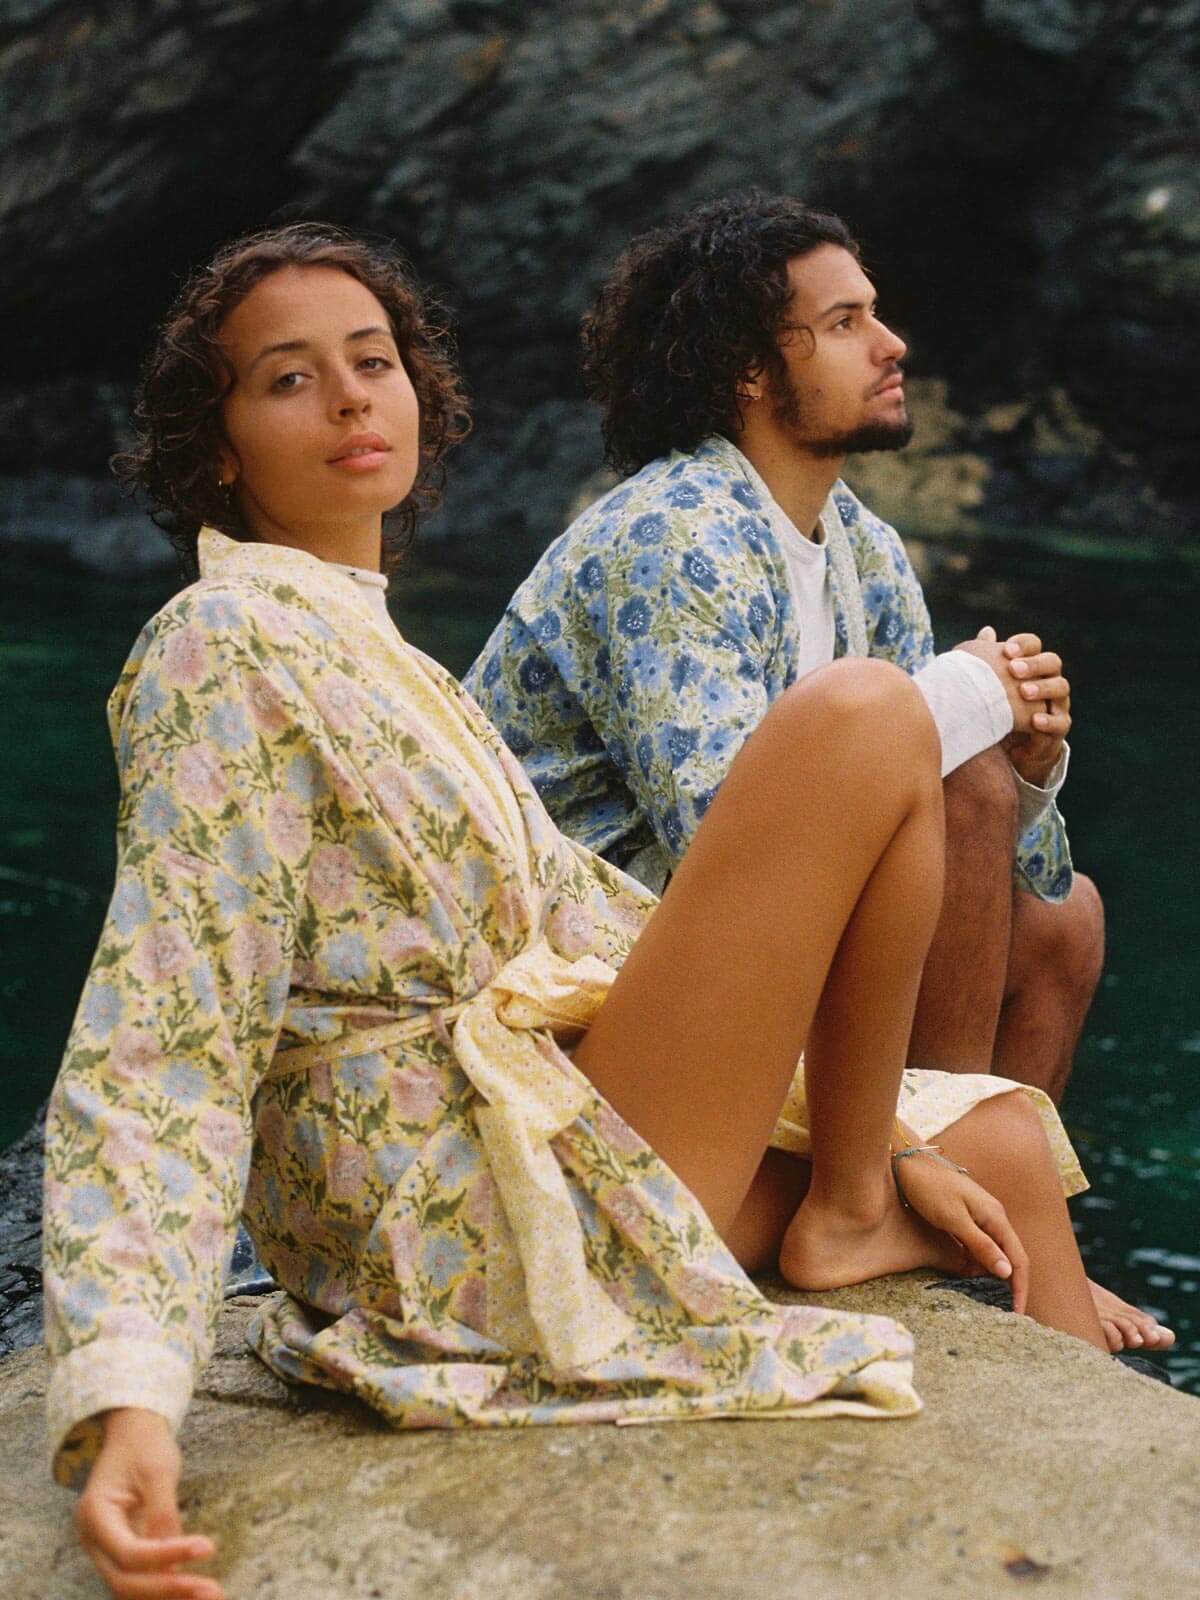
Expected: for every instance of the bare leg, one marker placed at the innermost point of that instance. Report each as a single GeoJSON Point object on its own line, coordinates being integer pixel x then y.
{"type": "Point", "coordinates": [829, 1243]}
{"type": "Point", "coordinates": [1057, 958]}
{"type": "Point", "coordinates": [963, 983]}
{"type": "Point", "coordinates": [820, 850]}
{"type": "Point", "coordinates": [1002, 1145]}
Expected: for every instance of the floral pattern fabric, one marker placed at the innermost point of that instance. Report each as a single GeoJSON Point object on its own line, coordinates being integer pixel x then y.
{"type": "Point", "coordinates": [649, 640]}
{"type": "Point", "coordinates": [346, 959]}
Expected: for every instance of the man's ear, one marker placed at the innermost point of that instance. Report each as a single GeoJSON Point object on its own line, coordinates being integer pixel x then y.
{"type": "Point", "coordinates": [750, 385]}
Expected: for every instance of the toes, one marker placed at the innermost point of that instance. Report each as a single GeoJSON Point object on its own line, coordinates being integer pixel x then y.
{"type": "Point", "coordinates": [1113, 1335]}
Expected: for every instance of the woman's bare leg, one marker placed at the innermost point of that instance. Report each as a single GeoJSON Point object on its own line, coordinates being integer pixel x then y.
{"type": "Point", "coordinates": [815, 874]}
{"type": "Point", "coordinates": [1002, 1144]}
{"type": "Point", "coordinates": [865, 1009]}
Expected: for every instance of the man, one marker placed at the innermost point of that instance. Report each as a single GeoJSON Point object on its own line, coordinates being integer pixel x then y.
{"type": "Point", "coordinates": [738, 358]}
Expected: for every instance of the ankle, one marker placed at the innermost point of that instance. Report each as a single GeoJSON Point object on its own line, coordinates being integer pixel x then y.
{"type": "Point", "coordinates": [860, 1204]}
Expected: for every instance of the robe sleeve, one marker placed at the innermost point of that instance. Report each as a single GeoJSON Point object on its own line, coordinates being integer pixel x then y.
{"type": "Point", "coordinates": [693, 623]}
{"type": "Point", "coordinates": [148, 1135]}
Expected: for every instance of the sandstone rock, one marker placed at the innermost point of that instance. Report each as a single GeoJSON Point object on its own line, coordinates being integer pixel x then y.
{"type": "Point", "coordinates": [1036, 1458]}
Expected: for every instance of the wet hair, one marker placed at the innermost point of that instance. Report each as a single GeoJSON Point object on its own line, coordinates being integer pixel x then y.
{"type": "Point", "coordinates": [173, 461]}
{"type": "Point", "coordinates": [691, 310]}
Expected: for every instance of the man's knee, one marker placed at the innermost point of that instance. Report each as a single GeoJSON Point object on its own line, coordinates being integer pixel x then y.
{"type": "Point", "coordinates": [1066, 937]}
{"type": "Point", "coordinates": [1071, 933]}
{"type": "Point", "coordinates": [1085, 918]}
{"type": "Point", "coordinates": [981, 804]}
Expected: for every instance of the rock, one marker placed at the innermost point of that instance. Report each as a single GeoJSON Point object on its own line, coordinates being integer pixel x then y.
{"type": "Point", "coordinates": [1022, 172]}
{"type": "Point", "coordinates": [1036, 1458]}
{"type": "Point", "coordinates": [938, 484]}
{"type": "Point", "coordinates": [21, 1240]}
{"type": "Point", "coordinates": [86, 520]}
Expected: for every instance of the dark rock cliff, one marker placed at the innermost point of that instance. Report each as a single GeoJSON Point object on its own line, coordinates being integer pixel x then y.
{"type": "Point", "coordinates": [1023, 173]}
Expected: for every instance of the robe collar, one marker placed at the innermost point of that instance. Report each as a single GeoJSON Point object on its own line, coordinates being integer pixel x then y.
{"type": "Point", "coordinates": [318, 582]}
{"type": "Point", "coordinates": [849, 618]}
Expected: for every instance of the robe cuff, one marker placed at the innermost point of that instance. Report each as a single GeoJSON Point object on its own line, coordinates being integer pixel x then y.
{"type": "Point", "coordinates": [1033, 800]}
{"type": "Point", "coordinates": [99, 1377]}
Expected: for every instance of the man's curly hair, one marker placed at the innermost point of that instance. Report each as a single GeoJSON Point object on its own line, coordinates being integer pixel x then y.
{"type": "Point", "coordinates": [179, 431]}
{"type": "Point", "coordinates": [688, 313]}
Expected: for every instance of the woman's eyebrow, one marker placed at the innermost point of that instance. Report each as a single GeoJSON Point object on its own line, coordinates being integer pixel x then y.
{"type": "Point", "coordinates": [304, 344]}
{"type": "Point", "coordinates": [277, 349]}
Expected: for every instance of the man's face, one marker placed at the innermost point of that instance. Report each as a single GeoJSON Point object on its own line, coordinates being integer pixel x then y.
{"type": "Point", "coordinates": [843, 390]}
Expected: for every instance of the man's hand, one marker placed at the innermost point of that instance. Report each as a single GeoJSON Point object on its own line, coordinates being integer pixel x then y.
{"type": "Point", "coordinates": [128, 1516]}
{"type": "Point", "coordinates": [1039, 695]}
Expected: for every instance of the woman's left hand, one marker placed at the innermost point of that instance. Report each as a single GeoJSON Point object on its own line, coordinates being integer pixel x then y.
{"type": "Point", "coordinates": [955, 1203]}
{"type": "Point", "coordinates": [128, 1514]}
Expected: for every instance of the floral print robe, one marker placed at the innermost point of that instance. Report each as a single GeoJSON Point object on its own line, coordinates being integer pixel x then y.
{"type": "Point", "coordinates": [645, 647]}
{"type": "Point", "coordinates": [346, 957]}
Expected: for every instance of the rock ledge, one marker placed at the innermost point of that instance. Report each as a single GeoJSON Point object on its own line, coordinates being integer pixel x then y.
{"type": "Point", "coordinates": [1036, 1460]}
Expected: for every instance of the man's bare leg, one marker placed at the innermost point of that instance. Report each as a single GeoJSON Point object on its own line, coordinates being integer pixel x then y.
{"type": "Point", "coordinates": [1057, 958]}
{"type": "Point", "coordinates": [963, 985]}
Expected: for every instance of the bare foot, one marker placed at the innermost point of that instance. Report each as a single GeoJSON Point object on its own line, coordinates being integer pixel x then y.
{"type": "Point", "coordinates": [826, 1249]}
{"type": "Point", "coordinates": [1125, 1327]}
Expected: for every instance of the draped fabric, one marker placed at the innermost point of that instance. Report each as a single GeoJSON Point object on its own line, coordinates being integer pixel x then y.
{"type": "Point", "coordinates": [344, 965]}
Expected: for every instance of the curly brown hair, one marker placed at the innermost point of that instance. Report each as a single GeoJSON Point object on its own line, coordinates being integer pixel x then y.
{"type": "Point", "coordinates": [688, 312]}
{"type": "Point", "coordinates": [179, 432]}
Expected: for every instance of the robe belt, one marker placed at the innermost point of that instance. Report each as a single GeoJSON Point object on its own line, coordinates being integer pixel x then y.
{"type": "Point", "coordinates": [508, 1038]}
{"type": "Point", "coordinates": [363, 1041]}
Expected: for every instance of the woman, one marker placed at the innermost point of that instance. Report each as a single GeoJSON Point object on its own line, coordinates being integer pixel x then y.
{"type": "Point", "coordinates": [348, 953]}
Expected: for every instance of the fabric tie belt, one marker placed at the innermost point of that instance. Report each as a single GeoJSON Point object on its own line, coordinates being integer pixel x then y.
{"type": "Point", "coordinates": [507, 1039]}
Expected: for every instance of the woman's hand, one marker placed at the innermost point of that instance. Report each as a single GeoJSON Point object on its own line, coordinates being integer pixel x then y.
{"type": "Point", "coordinates": [955, 1203]}
{"type": "Point", "coordinates": [128, 1516]}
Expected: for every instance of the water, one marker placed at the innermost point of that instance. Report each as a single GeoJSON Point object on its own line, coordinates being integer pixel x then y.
{"type": "Point", "coordinates": [1122, 621]}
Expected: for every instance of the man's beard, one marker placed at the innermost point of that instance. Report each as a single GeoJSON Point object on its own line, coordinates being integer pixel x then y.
{"type": "Point", "coordinates": [858, 441]}
{"type": "Point", "coordinates": [878, 435]}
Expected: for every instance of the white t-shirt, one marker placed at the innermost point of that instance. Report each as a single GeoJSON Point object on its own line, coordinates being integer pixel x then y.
{"type": "Point", "coordinates": [964, 696]}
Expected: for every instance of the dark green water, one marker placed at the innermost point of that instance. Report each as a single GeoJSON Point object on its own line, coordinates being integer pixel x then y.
{"type": "Point", "coordinates": [1123, 623]}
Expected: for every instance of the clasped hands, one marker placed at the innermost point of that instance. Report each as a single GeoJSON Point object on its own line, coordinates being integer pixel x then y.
{"type": "Point", "coordinates": [1039, 695]}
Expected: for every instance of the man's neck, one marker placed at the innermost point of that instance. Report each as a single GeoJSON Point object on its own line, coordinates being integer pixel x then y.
{"type": "Point", "coordinates": [799, 483]}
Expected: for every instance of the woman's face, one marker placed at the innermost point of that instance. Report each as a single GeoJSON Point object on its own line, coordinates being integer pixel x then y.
{"type": "Point", "coordinates": [322, 421]}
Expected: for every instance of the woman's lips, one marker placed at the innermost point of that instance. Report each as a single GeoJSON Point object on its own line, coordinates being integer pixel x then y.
{"type": "Point", "coordinates": [362, 454]}
{"type": "Point", "coordinates": [360, 460]}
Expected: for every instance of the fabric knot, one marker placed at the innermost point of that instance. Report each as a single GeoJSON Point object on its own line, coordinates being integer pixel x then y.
{"type": "Point", "coordinates": [508, 1040]}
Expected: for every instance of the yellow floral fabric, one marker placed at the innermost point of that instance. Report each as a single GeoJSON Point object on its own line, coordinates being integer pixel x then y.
{"type": "Point", "coordinates": [345, 960]}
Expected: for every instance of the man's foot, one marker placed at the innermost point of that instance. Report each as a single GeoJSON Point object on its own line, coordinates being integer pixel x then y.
{"type": "Point", "coordinates": [1125, 1327]}
{"type": "Point", "coordinates": [828, 1249]}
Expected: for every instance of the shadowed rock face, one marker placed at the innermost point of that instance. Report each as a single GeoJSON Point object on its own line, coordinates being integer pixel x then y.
{"type": "Point", "coordinates": [1022, 172]}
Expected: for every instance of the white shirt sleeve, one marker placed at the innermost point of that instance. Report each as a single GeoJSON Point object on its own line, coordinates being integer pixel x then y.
{"type": "Point", "coordinates": [968, 705]}
{"type": "Point", "coordinates": [1032, 801]}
